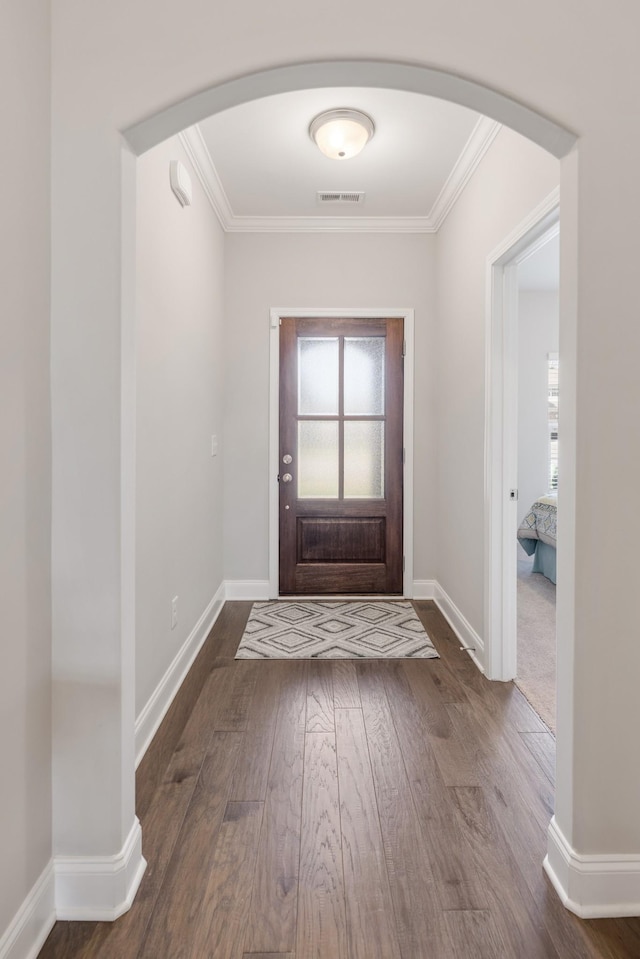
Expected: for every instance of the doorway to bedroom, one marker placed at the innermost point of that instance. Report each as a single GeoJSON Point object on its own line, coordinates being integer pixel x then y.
{"type": "Point", "coordinates": [522, 278]}
{"type": "Point", "coordinates": [537, 473]}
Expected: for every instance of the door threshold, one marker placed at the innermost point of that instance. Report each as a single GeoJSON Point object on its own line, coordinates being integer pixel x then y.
{"type": "Point", "coordinates": [289, 597]}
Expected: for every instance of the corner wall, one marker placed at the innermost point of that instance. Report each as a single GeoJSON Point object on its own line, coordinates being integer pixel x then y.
{"type": "Point", "coordinates": [314, 270]}
{"type": "Point", "coordinates": [25, 477]}
{"type": "Point", "coordinates": [180, 264]}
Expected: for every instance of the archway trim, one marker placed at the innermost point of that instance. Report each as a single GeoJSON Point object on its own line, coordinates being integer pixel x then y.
{"type": "Point", "coordinates": [429, 81]}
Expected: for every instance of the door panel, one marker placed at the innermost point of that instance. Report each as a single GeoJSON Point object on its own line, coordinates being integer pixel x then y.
{"type": "Point", "coordinates": [339, 539]}
{"type": "Point", "coordinates": [341, 398]}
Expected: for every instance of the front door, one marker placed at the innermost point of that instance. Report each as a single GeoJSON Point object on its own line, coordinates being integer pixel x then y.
{"type": "Point", "coordinates": [341, 455]}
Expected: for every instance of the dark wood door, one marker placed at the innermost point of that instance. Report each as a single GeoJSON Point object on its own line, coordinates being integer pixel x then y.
{"type": "Point", "coordinates": [341, 455]}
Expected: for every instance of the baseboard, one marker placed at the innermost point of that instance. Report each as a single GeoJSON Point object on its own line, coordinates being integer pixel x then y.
{"type": "Point", "coordinates": [463, 629]}
{"type": "Point", "coordinates": [100, 888]}
{"type": "Point", "coordinates": [247, 589]}
{"type": "Point", "coordinates": [258, 590]}
{"type": "Point", "coordinates": [33, 922]}
{"type": "Point", "coordinates": [431, 589]}
{"type": "Point", "coordinates": [155, 710]}
{"type": "Point", "coordinates": [424, 589]}
{"type": "Point", "coordinates": [594, 886]}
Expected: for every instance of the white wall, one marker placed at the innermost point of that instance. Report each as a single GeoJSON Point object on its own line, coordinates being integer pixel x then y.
{"type": "Point", "coordinates": [180, 263]}
{"type": "Point", "coordinates": [538, 335]}
{"type": "Point", "coordinates": [25, 440]}
{"type": "Point", "coordinates": [513, 178]}
{"type": "Point", "coordinates": [312, 270]}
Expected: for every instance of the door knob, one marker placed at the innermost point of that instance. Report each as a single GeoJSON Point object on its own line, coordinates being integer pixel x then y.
{"type": "Point", "coordinates": [287, 478]}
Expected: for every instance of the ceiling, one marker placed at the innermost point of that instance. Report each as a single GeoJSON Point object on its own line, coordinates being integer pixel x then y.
{"type": "Point", "coordinates": [263, 172]}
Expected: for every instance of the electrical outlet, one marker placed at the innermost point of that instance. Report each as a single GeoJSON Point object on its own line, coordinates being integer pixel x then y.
{"type": "Point", "coordinates": [174, 612]}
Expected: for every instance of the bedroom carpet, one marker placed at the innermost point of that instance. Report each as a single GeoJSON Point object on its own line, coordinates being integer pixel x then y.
{"type": "Point", "coordinates": [335, 630]}
{"type": "Point", "coordinates": [537, 641]}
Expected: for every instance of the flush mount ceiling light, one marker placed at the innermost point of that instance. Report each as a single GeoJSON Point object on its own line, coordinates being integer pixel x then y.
{"type": "Point", "coordinates": [341, 134]}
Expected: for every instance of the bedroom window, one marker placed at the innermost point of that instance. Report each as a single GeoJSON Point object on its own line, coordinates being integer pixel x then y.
{"type": "Point", "coordinates": [552, 418]}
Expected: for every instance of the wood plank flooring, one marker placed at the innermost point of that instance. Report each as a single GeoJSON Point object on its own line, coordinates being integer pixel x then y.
{"type": "Point", "coordinates": [345, 810]}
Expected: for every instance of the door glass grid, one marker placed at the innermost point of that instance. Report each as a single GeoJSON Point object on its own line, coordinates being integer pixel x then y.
{"type": "Point", "coordinates": [341, 412]}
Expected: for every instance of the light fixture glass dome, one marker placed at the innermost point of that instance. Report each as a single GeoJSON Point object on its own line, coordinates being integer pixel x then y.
{"type": "Point", "coordinates": [341, 134]}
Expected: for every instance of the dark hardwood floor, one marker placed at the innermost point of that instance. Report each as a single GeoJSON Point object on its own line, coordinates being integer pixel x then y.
{"type": "Point", "coordinates": [345, 810]}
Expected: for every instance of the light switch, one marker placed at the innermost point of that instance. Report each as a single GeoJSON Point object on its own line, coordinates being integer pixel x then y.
{"type": "Point", "coordinates": [214, 445]}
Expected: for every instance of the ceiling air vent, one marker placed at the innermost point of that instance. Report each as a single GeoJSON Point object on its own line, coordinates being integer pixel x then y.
{"type": "Point", "coordinates": [332, 197]}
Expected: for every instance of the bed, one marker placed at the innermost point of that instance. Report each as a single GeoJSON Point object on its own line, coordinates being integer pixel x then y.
{"type": "Point", "coordinates": [537, 535]}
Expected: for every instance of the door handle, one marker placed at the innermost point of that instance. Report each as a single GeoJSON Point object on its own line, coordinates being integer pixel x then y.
{"type": "Point", "coordinates": [287, 478]}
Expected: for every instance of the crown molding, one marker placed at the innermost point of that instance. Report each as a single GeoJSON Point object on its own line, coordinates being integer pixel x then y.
{"type": "Point", "coordinates": [329, 224]}
{"type": "Point", "coordinates": [198, 152]}
{"type": "Point", "coordinates": [481, 138]}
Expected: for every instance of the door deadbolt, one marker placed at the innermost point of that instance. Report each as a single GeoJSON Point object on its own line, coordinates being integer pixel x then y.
{"type": "Point", "coordinates": [286, 459]}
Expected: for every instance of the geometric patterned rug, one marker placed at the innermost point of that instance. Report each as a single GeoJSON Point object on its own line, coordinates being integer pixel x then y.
{"type": "Point", "coordinates": [335, 630]}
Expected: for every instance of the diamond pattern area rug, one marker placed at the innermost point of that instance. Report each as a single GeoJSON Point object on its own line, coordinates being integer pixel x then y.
{"type": "Point", "coordinates": [335, 630]}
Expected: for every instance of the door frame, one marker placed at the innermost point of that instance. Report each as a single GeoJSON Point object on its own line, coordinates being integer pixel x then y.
{"type": "Point", "coordinates": [501, 434]}
{"type": "Point", "coordinates": [407, 315]}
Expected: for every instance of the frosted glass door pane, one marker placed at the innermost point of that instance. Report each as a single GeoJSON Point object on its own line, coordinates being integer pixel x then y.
{"type": "Point", "coordinates": [364, 460]}
{"type": "Point", "coordinates": [318, 459]}
{"type": "Point", "coordinates": [364, 375]}
{"type": "Point", "coordinates": [318, 374]}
